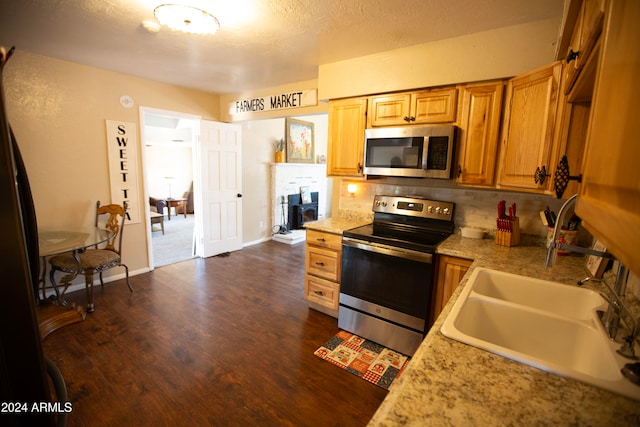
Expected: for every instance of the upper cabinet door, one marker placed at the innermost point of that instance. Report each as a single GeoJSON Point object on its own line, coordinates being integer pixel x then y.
{"type": "Point", "coordinates": [609, 198]}
{"type": "Point", "coordinates": [479, 134]}
{"type": "Point", "coordinates": [389, 110]}
{"type": "Point", "coordinates": [528, 131]}
{"type": "Point", "coordinates": [347, 120]}
{"type": "Point", "coordinates": [411, 108]}
{"type": "Point", "coordinates": [434, 106]}
{"type": "Point", "coordinates": [586, 31]}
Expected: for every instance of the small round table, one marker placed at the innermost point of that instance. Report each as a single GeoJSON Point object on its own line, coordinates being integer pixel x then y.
{"type": "Point", "coordinates": [53, 242]}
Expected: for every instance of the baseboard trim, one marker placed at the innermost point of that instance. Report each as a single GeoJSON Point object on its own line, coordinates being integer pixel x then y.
{"type": "Point", "coordinates": [255, 242]}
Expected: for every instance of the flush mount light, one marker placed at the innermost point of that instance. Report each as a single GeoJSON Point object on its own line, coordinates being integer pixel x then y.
{"type": "Point", "coordinates": [187, 19]}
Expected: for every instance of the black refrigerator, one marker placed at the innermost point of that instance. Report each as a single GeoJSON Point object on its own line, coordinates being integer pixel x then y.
{"type": "Point", "coordinates": [24, 380]}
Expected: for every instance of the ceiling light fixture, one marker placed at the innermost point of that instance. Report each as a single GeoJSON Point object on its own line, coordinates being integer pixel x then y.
{"type": "Point", "coordinates": [187, 19]}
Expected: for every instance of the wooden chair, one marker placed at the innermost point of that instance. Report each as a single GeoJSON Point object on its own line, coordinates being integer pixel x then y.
{"type": "Point", "coordinates": [99, 259]}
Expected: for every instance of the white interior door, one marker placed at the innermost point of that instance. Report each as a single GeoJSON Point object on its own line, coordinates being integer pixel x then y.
{"type": "Point", "coordinates": [220, 164]}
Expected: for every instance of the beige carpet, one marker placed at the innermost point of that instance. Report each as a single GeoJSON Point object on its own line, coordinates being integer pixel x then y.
{"type": "Point", "coordinates": [177, 242]}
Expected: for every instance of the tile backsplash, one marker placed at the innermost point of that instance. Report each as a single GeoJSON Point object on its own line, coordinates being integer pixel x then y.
{"type": "Point", "coordinates": [476, 208]}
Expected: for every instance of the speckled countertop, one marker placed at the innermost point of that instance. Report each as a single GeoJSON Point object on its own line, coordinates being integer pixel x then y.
{"type": "Point", "coordinates": [336, 225]}
{"type": "Point", "coordinates": [448, 383]}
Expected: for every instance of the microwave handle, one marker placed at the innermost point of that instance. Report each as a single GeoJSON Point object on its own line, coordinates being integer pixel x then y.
{"type": "Point", "coordinates": [425, 152]}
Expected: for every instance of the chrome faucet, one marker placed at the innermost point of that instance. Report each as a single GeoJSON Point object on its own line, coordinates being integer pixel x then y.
{"type": "Point", "coordinates": [611, 318]}
{"type": "Point", "coordinates": [554, 245]}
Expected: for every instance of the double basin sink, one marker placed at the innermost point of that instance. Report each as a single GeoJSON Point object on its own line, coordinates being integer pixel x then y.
{"type": "Point", "coordinates": [547, 325]}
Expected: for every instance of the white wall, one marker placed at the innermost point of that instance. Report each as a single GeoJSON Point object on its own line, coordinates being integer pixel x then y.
{"type": "Point", "coordinates": [57, 110]}
{"type": "Point", "coordinates": [487, 55]}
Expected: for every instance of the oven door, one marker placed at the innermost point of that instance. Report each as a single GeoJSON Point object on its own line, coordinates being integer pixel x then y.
{"type": "Point", "coordinates": [396, 278]}
{"type": "Point", "coordinates": [385, 293]}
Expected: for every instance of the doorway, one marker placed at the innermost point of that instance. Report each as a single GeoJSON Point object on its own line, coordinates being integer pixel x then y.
{"type": "Point", "coordinates": [169, 140]}
{"type": "Point", "coordinates": [212, 172]}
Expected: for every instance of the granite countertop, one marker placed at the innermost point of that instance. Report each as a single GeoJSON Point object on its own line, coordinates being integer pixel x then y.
{"type": "Point", "coordinates": [336, 225]}
{"type": "Point", "coordinates": [451, 383]}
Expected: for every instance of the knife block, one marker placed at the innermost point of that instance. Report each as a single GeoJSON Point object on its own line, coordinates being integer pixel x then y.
{"type": "Point", "coordinates": [509, 238]}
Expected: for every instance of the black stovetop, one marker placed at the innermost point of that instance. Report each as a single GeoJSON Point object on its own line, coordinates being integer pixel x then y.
{"type": "Point", "coordinates": [423, 241]}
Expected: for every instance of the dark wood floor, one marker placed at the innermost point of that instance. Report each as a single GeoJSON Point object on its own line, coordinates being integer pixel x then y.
{"type": "Point", "coordinates": [220, 341]}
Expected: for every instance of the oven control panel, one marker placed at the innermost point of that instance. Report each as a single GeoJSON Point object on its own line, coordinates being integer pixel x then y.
{"type": "Point", "coordinates": [413, 206]}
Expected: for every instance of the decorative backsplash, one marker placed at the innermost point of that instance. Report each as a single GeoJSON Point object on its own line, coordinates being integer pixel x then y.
{"type": "Point", "coordinates": [476, 208]}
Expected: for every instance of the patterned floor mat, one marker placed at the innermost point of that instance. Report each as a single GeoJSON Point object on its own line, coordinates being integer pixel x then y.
{"type": "Point", "coordinates": [363, 358]}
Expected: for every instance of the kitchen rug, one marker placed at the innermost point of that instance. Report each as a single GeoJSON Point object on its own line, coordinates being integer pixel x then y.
{"type": "Point", "coordinates": [363, 358]}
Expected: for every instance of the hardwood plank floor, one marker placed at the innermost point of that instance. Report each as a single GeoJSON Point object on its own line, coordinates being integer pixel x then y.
{"type": "Point", "coordinates": [222, 341]}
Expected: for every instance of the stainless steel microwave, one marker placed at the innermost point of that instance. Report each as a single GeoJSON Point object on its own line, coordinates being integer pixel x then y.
{"type": "Point", "coordinates": [409, 151]}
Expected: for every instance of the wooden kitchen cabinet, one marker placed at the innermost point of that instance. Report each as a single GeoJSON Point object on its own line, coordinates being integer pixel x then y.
{"type": "Point", "coordinates": [479, 134]}
{"type": "Point", "coordinates": [609, 198]}
{"type": "Point", "coordinates": [450, 271]}
{"type": "Point", "coordinates": [529, 132]}
{"type": "Point", "coordinates": [573, 121]}
{"type": "Point", "coordinates": [422, 107]}
{"type": "Point", "coordinates": [579, 76]}
{"type": "Point", "coordinates": [586, 30]}
{"type": "Point", "coordinates": [323, 262]}
{"type": "Point", "coordinates": [347, 121]}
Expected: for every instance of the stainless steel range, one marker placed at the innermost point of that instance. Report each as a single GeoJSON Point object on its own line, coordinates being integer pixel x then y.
{"type": "Point", "coordinates": [387, 270]}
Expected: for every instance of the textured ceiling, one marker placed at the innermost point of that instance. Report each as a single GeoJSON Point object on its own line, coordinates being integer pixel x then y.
{"type": "Point", "coordinates": [261, 43]}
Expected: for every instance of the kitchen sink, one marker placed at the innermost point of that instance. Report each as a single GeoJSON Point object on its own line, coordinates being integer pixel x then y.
{"type": "Point", "coordinates": [540, 294]}
{"type": "Point", "coordinates": [547, 325]}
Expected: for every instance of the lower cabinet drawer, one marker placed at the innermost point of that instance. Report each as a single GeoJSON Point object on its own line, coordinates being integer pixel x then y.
{"type": "Point", "coordinates": [324, 240]}
{"type": "Point", "coordinates": [324, 263]}
{"type": "Point", "coordinates": [322, 291]}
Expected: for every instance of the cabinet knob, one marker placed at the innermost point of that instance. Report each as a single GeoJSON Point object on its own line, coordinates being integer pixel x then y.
{"type": "Point", "coordinates": [320, 293]}
{"type": "Point", "coordinates": [540, 176]}
{"type": "Point", "coordinates": [359, 167]}
{"type": "Point", "coordinates": [406, 119]}
{"type": "Point", "coordinates": [321, 239]}
{"type": "Point", "coordinates": [459, 171]}
{"type": "Point", "coordinates": [413, 119]}
{"type": "Point", "coordinates": [562, 177]}
{"type": "Point", "coordinates": [572, 55]}
{"type": "Point", "coordinates": [321, 264]}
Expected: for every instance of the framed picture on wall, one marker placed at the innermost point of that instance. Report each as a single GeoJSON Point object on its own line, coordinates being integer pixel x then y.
{"type": "Point", "coordinates": [305, 194]}
{"type": "Point", "coordinates": [595, 264]}
{"type": "Point", "coordinates": [299, 136]}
